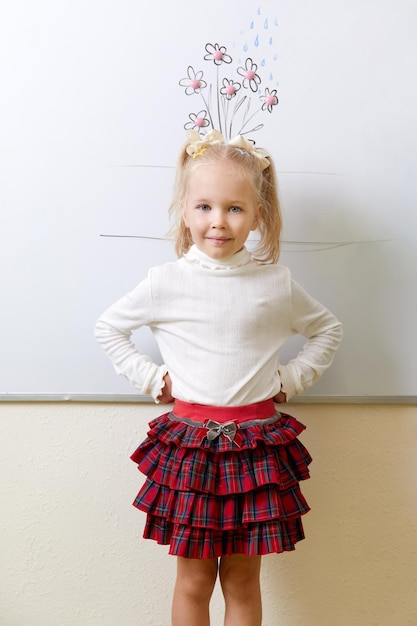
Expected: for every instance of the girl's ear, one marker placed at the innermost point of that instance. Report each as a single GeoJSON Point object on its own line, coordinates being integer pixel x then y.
{"type": "Point", "coordinates": [256, 219]}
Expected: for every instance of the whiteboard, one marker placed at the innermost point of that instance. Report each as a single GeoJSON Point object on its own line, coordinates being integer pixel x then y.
{"type": "Point", "coordinates": [91, 121]}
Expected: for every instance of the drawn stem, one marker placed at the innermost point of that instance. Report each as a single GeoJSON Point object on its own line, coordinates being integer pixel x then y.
{"type": "Point", "coordinates": [208, 110]}
{"type": "Point", "coordinates": [246, 122]}
{"type": "Point", "coordinates": [218, 98]}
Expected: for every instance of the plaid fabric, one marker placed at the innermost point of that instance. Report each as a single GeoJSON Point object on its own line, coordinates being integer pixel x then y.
{"type": "Point", "coordinates": [202, 510]}
{"type": "Point", "coordinates": [203, 543]}
{"type": "Point", "coordinates": [212, 498]}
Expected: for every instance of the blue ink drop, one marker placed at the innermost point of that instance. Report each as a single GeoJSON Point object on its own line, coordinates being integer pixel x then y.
{"type": "Point", "coordinates": [275, 57]}
{"type": "Point", "coordinates": [270, 76]}
{"type": "Point", "coordinates": [245, 47]}
{"type": "Point", "coordinates": [256, 42]}
{"type": "Point", "coordinates": [266, 23]}
{"type": "Point", "coordinates": [270, 41]}
{"type": "Point", "coordinates": [276, 21]}
{"type": "Point", "coordinates": [263, 62]}
{"type": "Point", "coordinates": [259, 10]}
{"type": "Point", "coordinates": [251, 25]}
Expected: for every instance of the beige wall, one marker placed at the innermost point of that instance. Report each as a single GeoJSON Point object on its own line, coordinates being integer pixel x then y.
{"type": "Point", "coordinates": [70, 546]}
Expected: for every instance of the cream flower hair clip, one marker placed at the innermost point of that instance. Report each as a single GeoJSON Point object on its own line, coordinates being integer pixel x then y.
{"type": "Point", "coordinates": [197, 144]}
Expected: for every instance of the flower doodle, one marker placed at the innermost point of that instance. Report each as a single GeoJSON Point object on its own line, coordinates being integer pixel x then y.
{"type": "Point", "coordinates": [197, 121]}
{"type": "Point", "coordinates": [269, 99]}
{"type": "Point", "coordinates": [228, 99]}
{"type": "Point", "coordinates": [229, 89]}
{"type": "Point", "coordinates": [250, 77]}
{"type": "Point", "coordinates": [217, 54]}
{"type": "Point", "coordinates": [193, 83]}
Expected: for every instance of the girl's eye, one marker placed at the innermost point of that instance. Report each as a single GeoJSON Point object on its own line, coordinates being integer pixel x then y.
{"type": "Point", "coordinates": [235, 209]}
{"type": "Point", "coordinates": [203, 207]}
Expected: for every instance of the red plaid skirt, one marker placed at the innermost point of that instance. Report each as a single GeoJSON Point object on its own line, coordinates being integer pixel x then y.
{"type": "Point", "coordinates": [222, 481]}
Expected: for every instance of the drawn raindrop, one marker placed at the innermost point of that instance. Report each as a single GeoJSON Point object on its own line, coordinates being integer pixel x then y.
{"type": "Point", "coordinates": [270, 41]}
{"type": "Point", "coordinates": [251, 25]}
{"type": "Point", "coordinates": [275, 57]}
{"type": "Point", "coordinates": [270, 76]}
{"type": "Point", "coordinates": [276, 21]}
{"type": "Point", "coordinates": [245, 47]}
{"type": "Point", "coordinates": [259, 10]}
{"type": "Point", "coordinates": [266, 25]}
{"type": "Point", "coordinates": [263, 62]}
{"type": "Point", "coordinates": [256, 42]}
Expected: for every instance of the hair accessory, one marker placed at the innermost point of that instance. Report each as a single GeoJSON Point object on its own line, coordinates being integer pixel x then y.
{"type": "Point", "coordinates": [227, 103]}
{"type": "Point", "coordinates": [196, 145]}
{"type": "Point", "coordinates": [199, 153]}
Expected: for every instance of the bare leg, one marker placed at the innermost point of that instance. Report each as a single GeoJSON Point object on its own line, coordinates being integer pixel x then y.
{"type": "Point", "coordinates": [193, 589]}
{"type": "Point", "coordinates": [239, 578]}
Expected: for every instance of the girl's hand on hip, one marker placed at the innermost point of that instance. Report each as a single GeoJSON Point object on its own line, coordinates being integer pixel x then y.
{"type": "Point", "coordinates": [165, 396]}
{"type": "Point", "coordinates": [281, 397]}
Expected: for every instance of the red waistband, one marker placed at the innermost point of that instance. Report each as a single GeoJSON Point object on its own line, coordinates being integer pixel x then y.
{"type": "Point", "coordinates": [203, 412]}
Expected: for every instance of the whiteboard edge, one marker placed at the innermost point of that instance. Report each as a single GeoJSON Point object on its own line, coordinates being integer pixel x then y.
{"type": "Point", "coordinates": [141, 399]}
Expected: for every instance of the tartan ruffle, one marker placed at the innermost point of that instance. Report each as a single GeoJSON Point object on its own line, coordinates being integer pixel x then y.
{"type": "Point", "coordinates": [202, 543]}
{"type": "Point", "coordinates": [242, 499]}
{"type": "Point", "coordinates": [179, 434]}
{"type": "Point", "coordinates": [268, 454]}
{"type": "Point", "coordinates": [202, 510]}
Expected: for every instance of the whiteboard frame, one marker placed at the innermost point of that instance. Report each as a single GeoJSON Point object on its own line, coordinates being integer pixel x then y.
{"type": "Point", "coordinates": [141, 399]}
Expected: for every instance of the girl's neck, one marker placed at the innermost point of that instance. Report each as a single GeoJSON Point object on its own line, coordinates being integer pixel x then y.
{"type": "Point", "coordinates": [242, 257]}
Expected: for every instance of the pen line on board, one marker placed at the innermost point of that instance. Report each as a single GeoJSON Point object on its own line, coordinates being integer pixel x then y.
{"type": "Point", "coordinates": [325, 245]}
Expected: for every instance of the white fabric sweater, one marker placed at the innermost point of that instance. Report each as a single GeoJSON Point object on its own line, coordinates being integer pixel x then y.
{"type": "Point", "coordinates": [220, 325]}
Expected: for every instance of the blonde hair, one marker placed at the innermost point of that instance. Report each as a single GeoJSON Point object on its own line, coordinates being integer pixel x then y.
{"type": "Point", "coordinates": [265, 191]}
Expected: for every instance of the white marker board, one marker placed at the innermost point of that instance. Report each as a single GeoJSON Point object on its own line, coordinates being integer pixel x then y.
{"type": "Point", "coordinates": [91, 121]}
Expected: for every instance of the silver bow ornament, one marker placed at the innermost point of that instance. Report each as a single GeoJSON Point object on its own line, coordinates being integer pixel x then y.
{"type": "Point", "coordinates": [215, 429]}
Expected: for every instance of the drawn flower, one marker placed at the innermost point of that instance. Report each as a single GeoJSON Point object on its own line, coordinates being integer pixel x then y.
{"type": "Point", "coordinates": [193, 83]}
{"type": "Point", "coordinates": [231, 119]}
{"type": "Point", "coordinates": [197, 121]}
{"type": "Point", "coordinates": [250, 77]}
{"type": "Point", "coordinates": [229, 88]}
{"type": "Point", "coordinates": [217, 54]}
{"type": "Point", "coordinates": [269, 99]}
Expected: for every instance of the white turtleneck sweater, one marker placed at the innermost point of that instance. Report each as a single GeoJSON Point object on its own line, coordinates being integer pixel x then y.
{"type": "Point", "coordinates": [220, 325]}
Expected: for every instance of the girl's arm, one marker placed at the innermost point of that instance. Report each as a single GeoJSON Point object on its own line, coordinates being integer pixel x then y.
{"type": "Point", "coordinates": [324, 333]}
{"type": "Point", "coordinates": [113, 331]}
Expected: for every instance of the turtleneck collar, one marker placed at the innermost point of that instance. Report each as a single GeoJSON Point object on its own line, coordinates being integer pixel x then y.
{"type": "Point", "coordinates": [195, 255]}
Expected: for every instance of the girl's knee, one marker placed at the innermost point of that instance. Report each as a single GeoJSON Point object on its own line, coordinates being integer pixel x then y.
{"type": "Point", "coordinates": [196, 577]}
{"type": "Point", "coordinates": [240, 574]}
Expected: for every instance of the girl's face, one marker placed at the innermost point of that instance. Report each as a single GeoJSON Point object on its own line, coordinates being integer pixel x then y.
{"type": "Point", "coordinates": [220, 209]}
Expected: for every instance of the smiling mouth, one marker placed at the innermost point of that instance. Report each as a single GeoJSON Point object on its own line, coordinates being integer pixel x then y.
{"type": "Point", "coordinates": [219, 239]}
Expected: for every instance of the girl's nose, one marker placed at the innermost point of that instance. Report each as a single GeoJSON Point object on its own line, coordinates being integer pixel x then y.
{"type": "Point", "coordinates": [217, 219]}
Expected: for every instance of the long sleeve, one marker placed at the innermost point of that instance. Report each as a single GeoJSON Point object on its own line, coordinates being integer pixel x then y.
{"type": "Point", "coordinates": [113, 331]}
{"type": "Point", "coordinates": [324, 333]}
{"type": "Point", "coordinates": [219, 329]}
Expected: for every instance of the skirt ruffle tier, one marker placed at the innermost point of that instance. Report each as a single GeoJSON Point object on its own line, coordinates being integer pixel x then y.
{"type": "Point", "coordinates": [208, 499]}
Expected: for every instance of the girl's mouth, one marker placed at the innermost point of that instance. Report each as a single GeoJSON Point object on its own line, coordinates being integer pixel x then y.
{"type": "Point", "coordinates": [219, 240]}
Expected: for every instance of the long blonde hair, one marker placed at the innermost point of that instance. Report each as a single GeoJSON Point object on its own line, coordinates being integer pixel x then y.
{"type": "Point", "coordinates": [265, 190]}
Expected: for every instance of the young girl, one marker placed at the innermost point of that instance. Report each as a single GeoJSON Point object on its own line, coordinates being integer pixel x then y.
{"type": "Point", "coordinates": [223, 465]}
